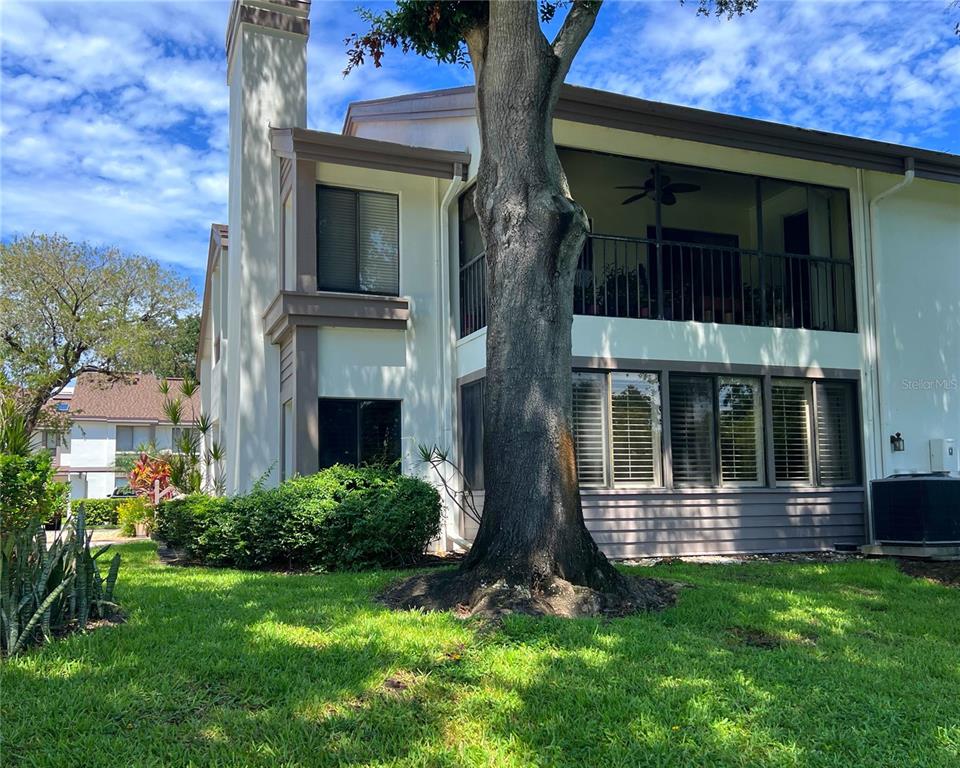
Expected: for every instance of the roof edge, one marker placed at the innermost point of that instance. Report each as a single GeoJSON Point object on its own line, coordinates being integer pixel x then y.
{"type": "Point", "coordinates": [614, 110]}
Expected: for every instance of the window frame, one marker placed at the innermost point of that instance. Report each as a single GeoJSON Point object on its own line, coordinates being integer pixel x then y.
{"type": "Point", "coordinates": [811, 479]}
{"type": "Point", "coordinates": [357, 191]}
{"type": "Point", "coordinates": [760, 433]}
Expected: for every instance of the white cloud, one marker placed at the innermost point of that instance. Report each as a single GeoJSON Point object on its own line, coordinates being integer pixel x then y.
{"type": "Point", "coordinates": [113, 115]}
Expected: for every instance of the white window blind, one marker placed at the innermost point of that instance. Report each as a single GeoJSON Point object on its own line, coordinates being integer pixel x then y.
{"type": "Point", "coordinates": [691, 430]}
{"type": "Point", "coordinates": [635, 427]}
{"type": "Point", "coordinates": [740, 420]}
{"type": "Point", "coordinates": [589, 426]}
{"type": "Point", "coordinates": [836, 451]}
{"type": "Point", "coordinates": [379, 243]}
{"type": "Point", "coordinates": [790, 401]}
{"type": "Point", "coordinates": [131, 438]}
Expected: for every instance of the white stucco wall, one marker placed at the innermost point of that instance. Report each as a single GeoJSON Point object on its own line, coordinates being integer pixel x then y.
{"type": "Point", "coordinates": [917, 276]}
{"type": "Point", "coordinates": [396, 364]}
{"type": "Point", "coordinates": [267, 87]}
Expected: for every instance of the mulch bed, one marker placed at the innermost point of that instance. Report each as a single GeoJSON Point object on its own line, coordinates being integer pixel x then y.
{"type": "Point", "coordinates": [946, 572]}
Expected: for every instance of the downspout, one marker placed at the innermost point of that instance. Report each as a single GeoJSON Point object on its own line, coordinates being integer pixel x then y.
{"type": "Point", "coordinates": [443, 321]}
{"type": "Point", "coordinates": [909, 172]}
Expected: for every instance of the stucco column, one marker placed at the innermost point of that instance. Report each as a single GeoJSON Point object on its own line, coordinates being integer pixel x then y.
{"type": "Point", "coordinates": [306, 407]}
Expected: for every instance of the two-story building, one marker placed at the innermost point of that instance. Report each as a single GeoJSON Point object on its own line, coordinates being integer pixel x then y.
{"type": "Point", "coordinates": [759, 308]}
{"type": "Point", "coordinates": [111, 418]}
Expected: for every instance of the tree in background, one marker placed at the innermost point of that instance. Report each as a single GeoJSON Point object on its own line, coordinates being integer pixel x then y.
{"type": "Point", "coordinates": [66, 307]}
{"type": "Point", "coordinates": [177, 357]}
{"type": "Point", "coordinates": [533, 552]}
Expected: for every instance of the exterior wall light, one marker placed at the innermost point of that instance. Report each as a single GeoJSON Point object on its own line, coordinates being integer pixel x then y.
{"type": "Point", "coordinates": [896, 442]}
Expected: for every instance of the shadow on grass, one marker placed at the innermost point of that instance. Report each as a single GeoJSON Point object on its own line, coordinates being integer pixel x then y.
{"type": "Point", "coordinates": [232, 668]}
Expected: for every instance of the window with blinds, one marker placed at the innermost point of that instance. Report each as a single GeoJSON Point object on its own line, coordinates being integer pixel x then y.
{"type": "Point", "coordinates": [358, 241]}
{"type": "Point", "coordinates": [691, 430]}
{"type": "Point", "coordinates": [635, 428]}
{"type": "Point", "coordinates": [740, 428]}
{"type": "Point", "coordinates": [836, 446]}
{"type": "Point", "coordinates": [790, 404]}
{"type": "Point", "coordinates": [590, 426]}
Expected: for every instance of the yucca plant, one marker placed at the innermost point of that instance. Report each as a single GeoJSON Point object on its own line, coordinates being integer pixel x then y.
{"type": "Point", "coordinates": [47, 590]}
{"type": "Point", "coordinates": [193, 465]}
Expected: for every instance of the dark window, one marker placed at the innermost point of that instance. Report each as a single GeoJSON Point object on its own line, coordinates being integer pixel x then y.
{"type": "Point", "coordinates": [359, 431]}
{"type": "Point", "coordinates": [692, 430]}
{"type": "Point", "coordinates": [471, 420]}
{"type": "Point", "coordinates": [358, 241]}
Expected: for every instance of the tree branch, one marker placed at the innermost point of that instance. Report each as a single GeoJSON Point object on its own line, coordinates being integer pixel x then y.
{"type": "Point", "coordinates": [573, 32]}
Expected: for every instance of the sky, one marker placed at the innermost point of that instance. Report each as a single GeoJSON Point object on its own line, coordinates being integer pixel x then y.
{"type": "Point", "coordinates": [113, 116]}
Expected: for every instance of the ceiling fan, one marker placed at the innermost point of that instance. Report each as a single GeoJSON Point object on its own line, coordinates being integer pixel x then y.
{"type": "Point", "coordinates": [668, 190]}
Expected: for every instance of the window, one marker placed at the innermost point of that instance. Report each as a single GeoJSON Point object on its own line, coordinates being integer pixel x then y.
{"type": "Point", "coordinates": [616, 428]}
{"type": "Point", "coordinates": [471, 437]}
{"type": "Point", "coordinates": [836, 442]}
{"type": "Point", "coordinates": [53, 440]}
{"type": "Point", "coordinates": [790, 403]}
{"type": "Point", "coordinates": [131, 438]}
{"type": "Point", "coordinates": [691, 430]}
{"type": "Point", "coordinates": [590, 427]}
{"type": "Point", "coordinates": [359, 431]}
{"type": "Point", "coordinates": [358, 242]}
{"type": "Point", "coordinates": [740, 427]}
{"type": "Point", "coordinates": [121, 481]}
{"type": "Point", "coordinates": [635, 428]}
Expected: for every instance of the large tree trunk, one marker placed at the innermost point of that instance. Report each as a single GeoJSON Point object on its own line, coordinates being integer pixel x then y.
{"type": "Point", "coordinates": [533, 552]}
{"type": "Point", "coordinates": [532, 529]}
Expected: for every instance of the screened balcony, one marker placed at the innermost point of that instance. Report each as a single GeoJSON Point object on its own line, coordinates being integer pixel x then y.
{"type": "Point", "coordinates": [672, 242]}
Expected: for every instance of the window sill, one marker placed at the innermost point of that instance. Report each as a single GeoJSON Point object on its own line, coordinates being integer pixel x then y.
{"type": "Point", "coordinates": [328, 308]}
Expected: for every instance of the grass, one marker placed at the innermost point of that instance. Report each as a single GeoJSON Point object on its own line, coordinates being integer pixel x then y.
{"type": "Point", "coordinates": [850, 664]}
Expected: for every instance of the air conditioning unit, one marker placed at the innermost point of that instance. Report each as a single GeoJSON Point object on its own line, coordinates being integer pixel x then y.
{"type": "Point", "coordinates": [916, 510]}
{"type": "Point", "coordinates": [944, 456]}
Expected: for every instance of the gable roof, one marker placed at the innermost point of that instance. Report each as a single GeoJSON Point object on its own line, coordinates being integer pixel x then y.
{"type": "Point", "coordinates": [133, 397]}
{"type": "Point", "coordinates": [614, 110]}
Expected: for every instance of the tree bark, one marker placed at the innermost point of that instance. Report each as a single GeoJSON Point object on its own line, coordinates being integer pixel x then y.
{"type": "Point", "coordinates": [532, 530]}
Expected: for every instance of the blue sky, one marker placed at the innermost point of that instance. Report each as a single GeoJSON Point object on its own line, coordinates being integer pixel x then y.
{"type": "Point", "coordinates": [113, 116]}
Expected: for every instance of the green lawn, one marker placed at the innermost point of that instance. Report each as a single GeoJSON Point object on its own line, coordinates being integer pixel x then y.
{"type": "Point", "coordinates": [231, 668]}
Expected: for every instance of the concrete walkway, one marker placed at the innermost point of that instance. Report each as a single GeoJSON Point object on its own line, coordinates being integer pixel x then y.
{"type": "Point", "coordinates": [102, 536]}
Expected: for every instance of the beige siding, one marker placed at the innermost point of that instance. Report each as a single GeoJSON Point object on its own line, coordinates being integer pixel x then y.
{"type": "Point", "coordinates": [629, 524]}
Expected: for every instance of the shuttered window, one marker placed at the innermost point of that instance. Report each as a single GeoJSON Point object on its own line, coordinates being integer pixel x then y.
{"type": "Point", "coordinates": [590, 426]}
{"type": "Point", "coordinates": [691, 430]}
{"type": "Point", "coordinates": [471, 435]}
{"type": "Point", "coordinates": [836, 445]}
{"type": "Point", "coordinates": [740, 427]}
{"type": "Point", "coordinates": [635, 428]}
{"type": "Point", "coordinates": [358, 241]}
{"type": "Point", "coordinates": [790, 403]}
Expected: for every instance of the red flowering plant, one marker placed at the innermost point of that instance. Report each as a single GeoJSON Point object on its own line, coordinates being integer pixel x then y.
{"type": "Point", "coordinates": [146, 472]}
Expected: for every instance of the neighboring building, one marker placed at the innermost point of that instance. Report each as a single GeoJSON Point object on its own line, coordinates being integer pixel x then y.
{"type": "Point", "coordinates": [111, 418]}
{"type": "Point", "coordinates": [753, 324]}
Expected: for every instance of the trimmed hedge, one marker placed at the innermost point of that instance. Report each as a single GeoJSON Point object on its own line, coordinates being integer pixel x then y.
{"type": "Point", "coordinates": [98, 511]}
{"type": "Point", "coordinates": [342, 518]}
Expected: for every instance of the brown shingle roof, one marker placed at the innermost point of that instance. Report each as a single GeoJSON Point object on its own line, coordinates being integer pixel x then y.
{"type": "Point", "coordinates": [127, 397]}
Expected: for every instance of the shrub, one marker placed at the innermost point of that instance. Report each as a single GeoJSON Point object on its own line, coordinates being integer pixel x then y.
{"type": "Point", "coordinates": [97, 511]}
{"type": "Point", "coordinates": [44, 589]}
{"type": "Point", "coordinates": [180, 522]}
{"type": "Point", "coordinates": [343, 518]}
{"type": "Point", "coordinates": [134, 512]}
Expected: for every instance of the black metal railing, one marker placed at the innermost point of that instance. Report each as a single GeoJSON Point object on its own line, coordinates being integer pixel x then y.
{"type": "Point", "coordinates": [641, 278]}
{"type": "Point", "coordinates": [473, 295]}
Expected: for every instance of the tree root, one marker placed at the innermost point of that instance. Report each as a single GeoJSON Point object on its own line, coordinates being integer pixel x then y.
{"type": "Point", "coordinates": [468, 595]}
